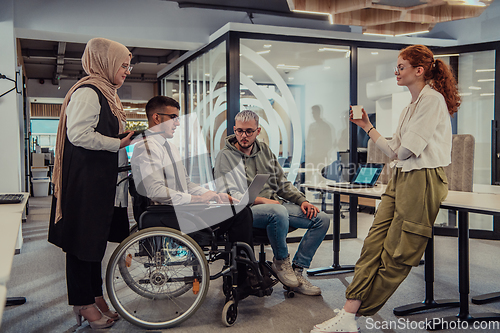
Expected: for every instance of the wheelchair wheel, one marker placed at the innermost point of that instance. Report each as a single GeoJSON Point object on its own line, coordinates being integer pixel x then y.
{"type": "Point", "coordinates": [229, 313]}
{"type": "Point", "coordinates": [157, 278]}
{"type": "Point", "coordinates": [133, 229]}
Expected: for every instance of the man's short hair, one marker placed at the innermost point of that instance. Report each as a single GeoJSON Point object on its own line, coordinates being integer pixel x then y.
{"type": "Point", "coordinates": [247, 115]}
{"type": "Point", "coordinates": [157, 102]}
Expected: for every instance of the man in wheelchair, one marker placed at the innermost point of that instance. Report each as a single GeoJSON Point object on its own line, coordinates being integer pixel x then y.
{"type": "Point", "coordinates": [160, 176]}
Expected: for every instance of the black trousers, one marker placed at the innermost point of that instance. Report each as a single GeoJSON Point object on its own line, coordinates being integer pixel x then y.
{"type": "Point", "coordinates": [83, 279]}
{"type": "Point", "coordinates": [239, 228]}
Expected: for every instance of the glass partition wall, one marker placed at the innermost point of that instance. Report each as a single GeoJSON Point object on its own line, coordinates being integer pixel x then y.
{"type": "Point", "coordinates": [301, 88]}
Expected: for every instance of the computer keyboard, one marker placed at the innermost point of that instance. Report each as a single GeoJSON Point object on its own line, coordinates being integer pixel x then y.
{"type": "Point", "coordinates": [11, 198]}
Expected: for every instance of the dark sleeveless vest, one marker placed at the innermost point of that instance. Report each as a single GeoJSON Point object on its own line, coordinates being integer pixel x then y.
{"type": "Point", "coordinates": [88, 193]}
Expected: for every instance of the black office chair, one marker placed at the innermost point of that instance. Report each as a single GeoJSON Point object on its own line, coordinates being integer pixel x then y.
{"type": "Point", "coordinates": [333, 172]}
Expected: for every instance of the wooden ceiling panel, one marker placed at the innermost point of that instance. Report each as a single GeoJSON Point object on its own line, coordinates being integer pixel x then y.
{"type": "Point", "coordinates": [392, 17]}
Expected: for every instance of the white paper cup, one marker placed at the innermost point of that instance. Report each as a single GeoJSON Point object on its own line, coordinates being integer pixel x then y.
{"type": "Point", "coordinates": [356, 112]}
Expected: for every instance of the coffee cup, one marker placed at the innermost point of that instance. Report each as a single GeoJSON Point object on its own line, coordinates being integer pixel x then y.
{"type": "Point", "coordinates": [356, 111]}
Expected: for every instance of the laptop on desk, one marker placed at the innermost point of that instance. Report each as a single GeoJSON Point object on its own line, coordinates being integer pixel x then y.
{"type": "Point", "coordinates": [249, 196]}
{"type": "Point", "coordinates": [366, 176]}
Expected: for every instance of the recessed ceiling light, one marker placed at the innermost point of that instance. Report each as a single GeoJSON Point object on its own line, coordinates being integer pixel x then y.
{"type": "Point", "coordinates": [465, 94]}
{"type": "Point", "coordinates": [263, 52]}
{"type": "Point", "coordinates": [374, 53]}
{"type": "Point", "coordinates": [487, 94]}
{"type": "Point", "coordinates": [291, 78]}
{"type": "Point", "coordinates": [485, 70]}
{"type": "Point", "coordinates": [250, 76]}
{"type": "Point", "coordinates": [266, 46]}
{"type": "Point", "coordinates": [486, 80]}
{"type": "Point", "coordinates": [474, 88]}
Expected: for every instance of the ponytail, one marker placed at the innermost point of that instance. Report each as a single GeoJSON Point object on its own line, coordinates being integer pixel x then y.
{"type": "Point", "coordinates": [436, 73]}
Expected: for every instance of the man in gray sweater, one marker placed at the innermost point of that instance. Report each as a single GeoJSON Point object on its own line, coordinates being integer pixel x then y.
{"type": "Point", "coordinates": [279, 204]}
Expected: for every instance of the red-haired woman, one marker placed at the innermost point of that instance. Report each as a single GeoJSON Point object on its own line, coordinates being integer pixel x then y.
{"type": "Point", "coordinates": [405, 217]}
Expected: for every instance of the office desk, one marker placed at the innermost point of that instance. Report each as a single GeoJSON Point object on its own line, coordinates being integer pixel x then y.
{"type": "Point", "coordinates": [464, 203]}
{"type": "Point", "coordinates": [3, 294]}
{"type": "Point", "coordinates": [372, 193]}
{"type": "Point", "coordinates": [16, 208]}
{"type": "Point", "coordinates": [10, 241]}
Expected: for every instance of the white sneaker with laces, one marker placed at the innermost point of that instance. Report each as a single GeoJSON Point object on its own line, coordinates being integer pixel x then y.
{"type": "Point", "coordinates": [305, 286]}
{"type": "Point", "coordinates": [343, 322]}
{"type": "Point", "coordinates": [284, 271]}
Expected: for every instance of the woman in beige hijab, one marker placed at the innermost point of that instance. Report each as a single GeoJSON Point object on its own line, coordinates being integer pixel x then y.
{"type": "Point", "coordinates": [85, 174]}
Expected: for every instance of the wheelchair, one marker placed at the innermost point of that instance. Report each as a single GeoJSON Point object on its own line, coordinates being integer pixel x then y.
{"type": "Point", "coordinates": [158, 277]}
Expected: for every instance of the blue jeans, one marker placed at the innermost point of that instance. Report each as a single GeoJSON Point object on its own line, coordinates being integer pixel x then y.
{"type": "Point", "coordinates": [277, 218]}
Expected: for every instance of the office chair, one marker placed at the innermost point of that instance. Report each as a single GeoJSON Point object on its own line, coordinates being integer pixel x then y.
{"type": "Point", "coordinates": [333, 172]}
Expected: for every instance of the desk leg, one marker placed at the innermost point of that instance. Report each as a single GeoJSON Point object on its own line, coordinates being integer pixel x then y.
{"type": "Point", "coordinates": [429, 302]}
{"type": "Point", "coordinates": [10, 301]}
{"type": "Point", "coordinates": [486, 298]}
{"type": "Point", "coordinates": [336, 268]}
{"type": "Point", "coordinates": [463, 283]}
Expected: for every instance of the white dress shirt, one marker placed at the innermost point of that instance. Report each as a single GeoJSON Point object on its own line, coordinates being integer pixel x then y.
{"type": "Point", "coordinates": [424, 128]}
{"type": "Point", "coordinates": [154, 174]}
{"type": "Point", "coordinates": [82, 115]}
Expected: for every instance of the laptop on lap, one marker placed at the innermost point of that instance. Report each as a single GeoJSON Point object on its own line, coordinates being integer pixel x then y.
{"type": "Point", "coordinates": [366, 176]}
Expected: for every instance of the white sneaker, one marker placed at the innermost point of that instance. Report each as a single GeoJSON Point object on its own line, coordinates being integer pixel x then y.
{"type": "Point", "coordinates": [343, 322]}
{"type": "Point", "coordinates": [305, 286]}
{"type": "Point", "coordinates": [285, 273]}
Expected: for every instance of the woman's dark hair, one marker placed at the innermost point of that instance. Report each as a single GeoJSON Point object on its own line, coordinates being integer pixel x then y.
{"type": "Point", "coordinates": [159, 101]}
{"type": "Point", "coordinates": [436, 72]}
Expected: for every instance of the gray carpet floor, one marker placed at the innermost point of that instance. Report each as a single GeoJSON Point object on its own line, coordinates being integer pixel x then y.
{"type": "Point", "coordinates": [38, 274]}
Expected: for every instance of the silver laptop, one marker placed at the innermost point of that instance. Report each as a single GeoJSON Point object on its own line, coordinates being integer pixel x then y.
{"type": "Point", "coordinates": [366, 176]}
{"type": "Point", "coordinates": [249, 196]}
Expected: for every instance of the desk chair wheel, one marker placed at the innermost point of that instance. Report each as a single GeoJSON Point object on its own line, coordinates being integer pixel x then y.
{"type": "Point", "coordinates": [157, 278]}
{"type": "Point", "coordinates": [289, 292]}
{"type": "Point", "coordinates": [229, 313]}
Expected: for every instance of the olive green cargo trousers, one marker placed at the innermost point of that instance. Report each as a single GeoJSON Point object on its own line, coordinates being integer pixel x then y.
{"type": "Point", "coordinates": [398, 236]}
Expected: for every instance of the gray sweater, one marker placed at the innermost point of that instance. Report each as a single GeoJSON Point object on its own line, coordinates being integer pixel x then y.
{"type": "Point", "coordinates": [234, 171]}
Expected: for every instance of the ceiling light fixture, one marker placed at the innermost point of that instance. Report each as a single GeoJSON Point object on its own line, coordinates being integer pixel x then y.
{"type": "Point", "coordinates": [263, 52]}
{"type": "Point", "coordinates": [331, 49]}
{"type": "Point", "coordinates": [330, 17]}
{"type": "Point", "coordinates": [266, 46]}
{"type": "Point", "coordinates": [374, 34]}
{"type": "Point", "coordinates": [486, 80]}
{"type": "Point", "coordinates": [412, 33]}
{"type": "Point", "coordinates": [283, 66]}
{"type": "Point", "coordinates": [487, 94]}
{"type": "Point", "coordinates": [474, 88]}
{"type": "Point", "coordinates": [485, 70]}
{"type": "Point", "coordinates": [446, 55]}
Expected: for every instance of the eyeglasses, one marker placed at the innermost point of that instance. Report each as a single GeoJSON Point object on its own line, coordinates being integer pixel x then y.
{"type": "Point", "coordinates": [128, 68]}
{"type": "Point", "coordinates": [248, 132]}
{"type": "Point", "coordinates": [172, 116]}
{"type": "Point", "coordinates": [398, 69]}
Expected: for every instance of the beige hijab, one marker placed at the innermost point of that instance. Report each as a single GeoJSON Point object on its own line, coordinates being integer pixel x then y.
{"type": "Point", "coordinates": [101, 60]}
